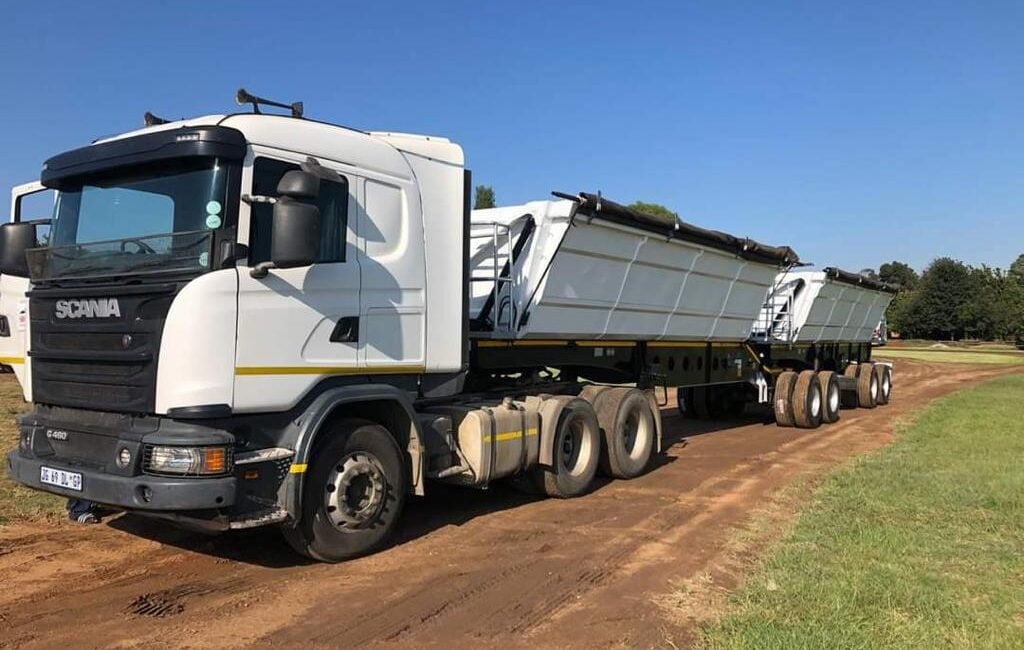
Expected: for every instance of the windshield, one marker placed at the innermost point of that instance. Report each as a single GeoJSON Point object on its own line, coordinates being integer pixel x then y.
{"type": "Point", "coordinates": [157, 217]}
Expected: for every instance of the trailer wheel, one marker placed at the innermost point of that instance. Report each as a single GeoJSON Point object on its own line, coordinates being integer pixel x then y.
{"type": "Point", "coordinates": [807, 402]}
{"type": "Point", "coordinates": [576, 453]}
{"type": "Point", "coordinates": [684, 400]}
{"type": "Point", "coordinates": [353, 493]}
{"type": "Point", "coordinates": [867, 386]}
{"type": "Point", "coordinates": [707, 402]}
{"type": "Point", "coordinates": [831, 396]}
{"type": "Point", "coordinates": [884, 374]}
{"type": "Point", "coordinates": [782, 398]}
{"type": "Point", "coordinates": [628, 429]}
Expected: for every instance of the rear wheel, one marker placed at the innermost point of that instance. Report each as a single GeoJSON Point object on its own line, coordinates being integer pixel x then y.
{"type": "Point", "coordinates": [867, 386]}
{"type": "Point", "coordinates": [707, 402]}
{"type": "Point", "coordinates": [783, 398]}
{"type": "Point", "coordinates": [628, 429]}
{"type": "Point", "coordinates": [684, 400]}
{"type": "Point", "coordinates": [884, 374]}
{"type": "Point", "coordinates": [352, 495]}
{"type": "Point", "coordinates": [807, 401]}
{"type": "Point", "coordinates": [831, 396]}
{"type": "Point", "coordinates": [576, 453]}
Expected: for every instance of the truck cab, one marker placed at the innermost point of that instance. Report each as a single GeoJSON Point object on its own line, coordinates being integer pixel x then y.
{"type": "Point", "coordinates": [211, 290]}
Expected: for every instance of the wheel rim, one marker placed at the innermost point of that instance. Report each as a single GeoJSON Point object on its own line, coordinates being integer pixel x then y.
{"type": "Point", "coordinates": [874, 388]}
{"type": "Point", "coordinates": [833, 398]}
{"type": "Point", "coordinates": [630, 431]}
{"type": "Point", "coordinates": [815, 402]}
{"type": "Point", "coordinates": [636, 430]}
{"type": "Point", "coordinates": [355, 490]}
{"type": "Point", "coordinates": [886, 386]}
{"type": "Point", "coordinates": [575, 447]}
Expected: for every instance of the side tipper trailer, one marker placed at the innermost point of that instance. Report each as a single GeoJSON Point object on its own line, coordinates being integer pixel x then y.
{"type": "Point", "coordinates": [816, 329]}
{"type": "Point", "coordinates": [298, 324]}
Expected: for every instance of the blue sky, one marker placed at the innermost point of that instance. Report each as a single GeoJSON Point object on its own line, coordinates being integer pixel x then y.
{"type": "Point", "coordinates": [855, 132]}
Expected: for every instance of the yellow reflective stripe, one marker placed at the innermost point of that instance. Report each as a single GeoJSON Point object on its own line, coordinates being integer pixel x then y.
{"type": "Point", "coordinates": [675, 344]}
{"type": "Point", "coordinates": [10, 360]}
{"type": "Point", "coordinates": [328, 370]}
{"type": "Point", "coordinates": [606, 344]}
{"type": "Point", "coordinates": [510, 435]}
{"type": "Point", "coordinates": [298, 468]}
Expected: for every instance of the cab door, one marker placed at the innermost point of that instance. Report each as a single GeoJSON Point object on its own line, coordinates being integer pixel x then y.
{"type": "Point", "coordinates": [34, 202]}
{"type": "Point", "coordinates": [296, 326]}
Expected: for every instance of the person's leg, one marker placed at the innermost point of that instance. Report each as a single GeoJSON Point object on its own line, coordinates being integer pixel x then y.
{"type": "Point", "coordinates": [82, 511]}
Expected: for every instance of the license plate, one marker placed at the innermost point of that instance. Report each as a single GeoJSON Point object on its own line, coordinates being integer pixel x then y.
{"type": "Point", "coordinates": [60, 478]}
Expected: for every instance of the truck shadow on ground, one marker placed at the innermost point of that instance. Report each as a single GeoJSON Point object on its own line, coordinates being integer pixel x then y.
{"type": "Point", "coordinates": [443, 506]}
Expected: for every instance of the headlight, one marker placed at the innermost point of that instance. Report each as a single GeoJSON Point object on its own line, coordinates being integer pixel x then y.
{"type": "Point", "coordinates": [194, 461]}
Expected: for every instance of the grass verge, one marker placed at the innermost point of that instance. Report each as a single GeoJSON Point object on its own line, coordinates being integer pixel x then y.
{"type": "Point", "coordinates": [16, 502]}
{"type": "Point", "coordinates": [918, 546]}
{"type": "Point", "coordinates": [948, 356]}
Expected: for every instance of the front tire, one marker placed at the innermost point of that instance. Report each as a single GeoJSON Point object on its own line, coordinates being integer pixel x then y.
{"type": "Point", "coordinates": [353, 494]}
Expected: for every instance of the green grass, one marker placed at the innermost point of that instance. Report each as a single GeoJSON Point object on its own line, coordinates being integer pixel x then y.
{"type": "Point", "coordinates": [18, 503]}
{"type": "Point", "coordinates": [949, 356]}
{"type": "Point", "coordinates": [920, 545]}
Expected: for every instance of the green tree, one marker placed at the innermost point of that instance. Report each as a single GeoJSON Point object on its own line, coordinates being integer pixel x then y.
{"type": "Point", "coordinates": [899, 274]}
{"type": "Point", "coordinates": [652, 208]}
{"type": "Point", "coordinates": [941, 306]}
{"type": "Point", "coordinates": [1017, 268]}
{"type": "Point", "coordinates": [484, 197]}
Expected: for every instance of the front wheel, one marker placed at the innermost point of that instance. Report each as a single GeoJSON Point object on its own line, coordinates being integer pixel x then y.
{"type": "Point", "coordinates": [353, 493]}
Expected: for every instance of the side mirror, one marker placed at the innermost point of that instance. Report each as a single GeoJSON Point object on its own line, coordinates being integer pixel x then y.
{"type": "Point", "coordinates": [295, 238]}
{"type": "Point", "coordinates": [295, 229]}
{"type": "Point", "coordinates": [15, 239]}
{"type": "Point", "coordinates": [299, 185]}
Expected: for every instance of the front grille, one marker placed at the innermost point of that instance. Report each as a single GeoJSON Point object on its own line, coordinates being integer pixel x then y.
{"type": "Point", "coordinates": [106, 364]}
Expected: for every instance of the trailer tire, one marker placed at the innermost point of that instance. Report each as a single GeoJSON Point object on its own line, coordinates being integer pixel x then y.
{"type": "Point", "coordinates": [684, 401]}
{"type": "Point", "coordinates": [628, 430]}
{"type": "Point", "coordinates": [807, 401]}
{"type": "Point", "coordinates": [735, 402]}
{"type": "Point", "coordinates": [831, 396]}
{"type": "Point", "coordinates": [576, 453]}
{"type": "Point", "coordinates": [884, 374]}
{"type": "Point", "coordinates": [782, 398]}
{"type": "Point", "coordinates": [867, 386]}
{"type": "Point", "coordinates": [707, 403]}
{"type": "Point", "coordinates": [336, 524]}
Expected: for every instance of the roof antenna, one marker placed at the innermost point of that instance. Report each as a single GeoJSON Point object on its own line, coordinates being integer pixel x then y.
{"type": "Point", "coordinates": [152, 120]}
{"type": "Point", "coordinates": [243, 97]}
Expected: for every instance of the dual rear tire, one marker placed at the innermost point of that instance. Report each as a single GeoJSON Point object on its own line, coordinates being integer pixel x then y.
{"type": "Point", "coordinates": [806, 399]}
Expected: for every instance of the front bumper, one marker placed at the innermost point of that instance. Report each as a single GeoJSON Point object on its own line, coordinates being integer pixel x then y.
{"type": "Point", "coordinates": [142, 492]}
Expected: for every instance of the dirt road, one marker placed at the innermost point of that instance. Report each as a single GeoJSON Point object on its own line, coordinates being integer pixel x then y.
{"type": "Point", "coordinates": [484, 568]}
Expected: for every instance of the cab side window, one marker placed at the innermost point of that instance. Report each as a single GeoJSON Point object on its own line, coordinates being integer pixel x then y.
{"type": "Point", "coordinates": [332, 201]}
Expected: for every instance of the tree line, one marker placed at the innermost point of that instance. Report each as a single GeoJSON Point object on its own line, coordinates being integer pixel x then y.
{"type": "Point", "coordinates": [951, 300]}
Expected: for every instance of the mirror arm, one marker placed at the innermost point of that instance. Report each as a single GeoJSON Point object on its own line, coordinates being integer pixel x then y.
{"type": "Point", "coordinates": [258, 198]}
{"type": "Point", "coordinates": [262, 269]}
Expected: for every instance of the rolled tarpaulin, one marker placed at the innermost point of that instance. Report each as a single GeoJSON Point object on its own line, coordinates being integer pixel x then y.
{"type": "Point", "coordinates": [597, 206]}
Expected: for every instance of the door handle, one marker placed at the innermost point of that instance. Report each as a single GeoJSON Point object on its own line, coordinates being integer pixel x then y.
{"type": "Point", "coordinates": [346, 331]}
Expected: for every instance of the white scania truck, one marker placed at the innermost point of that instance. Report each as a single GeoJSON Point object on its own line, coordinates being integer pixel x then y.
{"type": "Point", "coordinates": [251, 319]}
